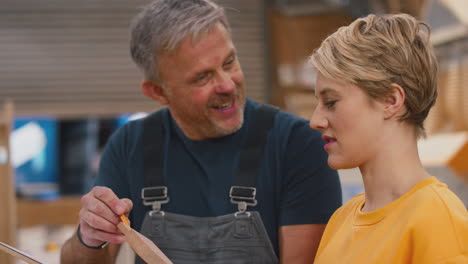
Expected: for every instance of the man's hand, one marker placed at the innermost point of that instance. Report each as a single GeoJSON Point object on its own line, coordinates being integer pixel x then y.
{"type": "Point", "coordinates": [99, 216]}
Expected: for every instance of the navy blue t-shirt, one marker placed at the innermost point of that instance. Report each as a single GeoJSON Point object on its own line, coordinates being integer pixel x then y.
{"type": "Point", "coordinates": [294, 183]}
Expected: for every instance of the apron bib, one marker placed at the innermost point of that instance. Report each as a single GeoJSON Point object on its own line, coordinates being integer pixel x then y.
{"type": "Point", "coordinates": [238, 238]}
{"type": "Point", "coordinates": [232, 238]}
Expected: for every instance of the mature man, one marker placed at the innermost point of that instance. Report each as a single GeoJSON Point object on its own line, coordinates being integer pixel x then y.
{"type": "Point", "coordinates": [213, 177]}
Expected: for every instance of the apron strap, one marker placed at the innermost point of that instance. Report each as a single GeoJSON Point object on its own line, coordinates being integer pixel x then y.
{"type": "Point", "coordinates": [243, 194]}
{"type": "Point", "coordinates": [155, 191]}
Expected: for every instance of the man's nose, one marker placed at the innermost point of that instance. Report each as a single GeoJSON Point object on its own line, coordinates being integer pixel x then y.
{"type": "Point", "coordinates": [225, 84]}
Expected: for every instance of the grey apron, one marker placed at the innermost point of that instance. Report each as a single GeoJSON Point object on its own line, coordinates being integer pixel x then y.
{"type": "Point", "coordinates": [238, 238]}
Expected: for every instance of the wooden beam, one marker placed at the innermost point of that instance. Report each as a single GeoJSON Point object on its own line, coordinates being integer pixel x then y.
{"type": "Point", "coordinates": [446, 150]}
{"type": "Point", "coordinates": [416, 8]}
{"type": "Point", "coordinates": [7, 186]}
{"type": "Point", "coordinates": [448, 33]}
{"type": "Point", "coordinates": [459, 9]}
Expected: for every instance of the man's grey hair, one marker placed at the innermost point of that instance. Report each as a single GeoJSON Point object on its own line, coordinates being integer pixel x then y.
{"type": "Point", "coordinates": [163, 24]}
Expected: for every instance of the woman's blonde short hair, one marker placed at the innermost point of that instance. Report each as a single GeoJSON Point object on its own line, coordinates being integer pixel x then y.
{"type": "Point", "coordinates": [375, 51]}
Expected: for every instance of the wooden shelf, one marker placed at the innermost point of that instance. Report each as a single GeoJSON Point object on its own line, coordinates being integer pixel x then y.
{"type": "Point", "coordinates": [293, 39]}
{"type": "Point", "coordinates": [62, 211]}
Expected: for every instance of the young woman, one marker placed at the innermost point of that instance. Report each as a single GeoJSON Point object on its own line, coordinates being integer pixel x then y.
{"type": "Point", "coordinates": [376, 84]}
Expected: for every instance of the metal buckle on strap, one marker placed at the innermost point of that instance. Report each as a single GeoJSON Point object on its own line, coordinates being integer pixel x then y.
{"type": "Point", "coordinates": [155, 196]}
{"type": "Point", "coordinates": [243, 197]}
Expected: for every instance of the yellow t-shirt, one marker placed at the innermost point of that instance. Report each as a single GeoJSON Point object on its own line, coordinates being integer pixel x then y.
{"type": "Point", "coordinates": [428, 224]}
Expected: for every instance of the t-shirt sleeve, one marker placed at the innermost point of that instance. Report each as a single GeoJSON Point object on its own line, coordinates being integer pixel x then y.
{"type": "Point", "coordinates": [312, 190]}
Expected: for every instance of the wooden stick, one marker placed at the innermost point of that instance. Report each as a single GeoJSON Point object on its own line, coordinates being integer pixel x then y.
{"type": "Point", "coordinates": [18, 254]}
{"type": "Point", "coordinates": [144, 247]}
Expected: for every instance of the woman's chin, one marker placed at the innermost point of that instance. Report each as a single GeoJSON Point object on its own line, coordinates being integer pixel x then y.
{"type": "Point", "coordinates": [340, 165]}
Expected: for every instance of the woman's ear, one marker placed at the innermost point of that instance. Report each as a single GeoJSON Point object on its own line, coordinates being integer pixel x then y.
{"type": "Point", "coordinates": [154, 91]}
{"type": "Point", "coordinates": [394, 103]}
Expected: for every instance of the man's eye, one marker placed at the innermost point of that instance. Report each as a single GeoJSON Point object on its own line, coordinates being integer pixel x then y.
{"type": "Point", "coordinates": [201, 77]}
{"type": "Point", "coordinates": [229, 62]}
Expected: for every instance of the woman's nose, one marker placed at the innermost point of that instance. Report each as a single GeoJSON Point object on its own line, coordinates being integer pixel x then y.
{"type": "Point", "coordinates": [318, 120]}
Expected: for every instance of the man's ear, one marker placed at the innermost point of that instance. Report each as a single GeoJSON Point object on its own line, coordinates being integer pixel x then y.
{"type": "Point", "coordinates": [394, 103]}
{"type": "Point", "coordinates": [154, 91]}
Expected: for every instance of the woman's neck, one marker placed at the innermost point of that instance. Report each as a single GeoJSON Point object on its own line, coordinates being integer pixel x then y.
{"type": "Point", "coordinates": [392, 172]}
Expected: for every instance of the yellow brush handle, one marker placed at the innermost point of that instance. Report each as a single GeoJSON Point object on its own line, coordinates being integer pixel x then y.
{"type": "Point", "coordinates": [125, 220]}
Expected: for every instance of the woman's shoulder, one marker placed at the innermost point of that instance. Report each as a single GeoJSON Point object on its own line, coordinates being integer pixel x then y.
{"type": "Point", "coordinates": [440, 203]}
{"type": "Point", "coordinates": [440, 221]}
{"type": "Point", "coordinates": [437, 214]}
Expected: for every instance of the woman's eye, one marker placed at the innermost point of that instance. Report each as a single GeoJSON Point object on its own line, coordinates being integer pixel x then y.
{"type": "Point", "coordinates": [330, 104]}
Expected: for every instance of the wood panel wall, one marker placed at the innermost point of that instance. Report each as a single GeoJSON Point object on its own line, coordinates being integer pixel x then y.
{"type": "Point", "coordinates": [70, 58]}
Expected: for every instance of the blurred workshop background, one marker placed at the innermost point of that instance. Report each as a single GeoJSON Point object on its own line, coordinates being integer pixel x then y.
{"type": "Point", "coordinates": [67, 82]}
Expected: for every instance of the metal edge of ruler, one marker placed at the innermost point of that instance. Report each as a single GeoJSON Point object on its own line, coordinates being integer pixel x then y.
{"type": "Point", "coordinates": [18, 253]}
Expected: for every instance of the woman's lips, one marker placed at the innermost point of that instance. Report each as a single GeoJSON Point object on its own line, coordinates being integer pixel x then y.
{"type": "Point", "coordinates": [330, 141]}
